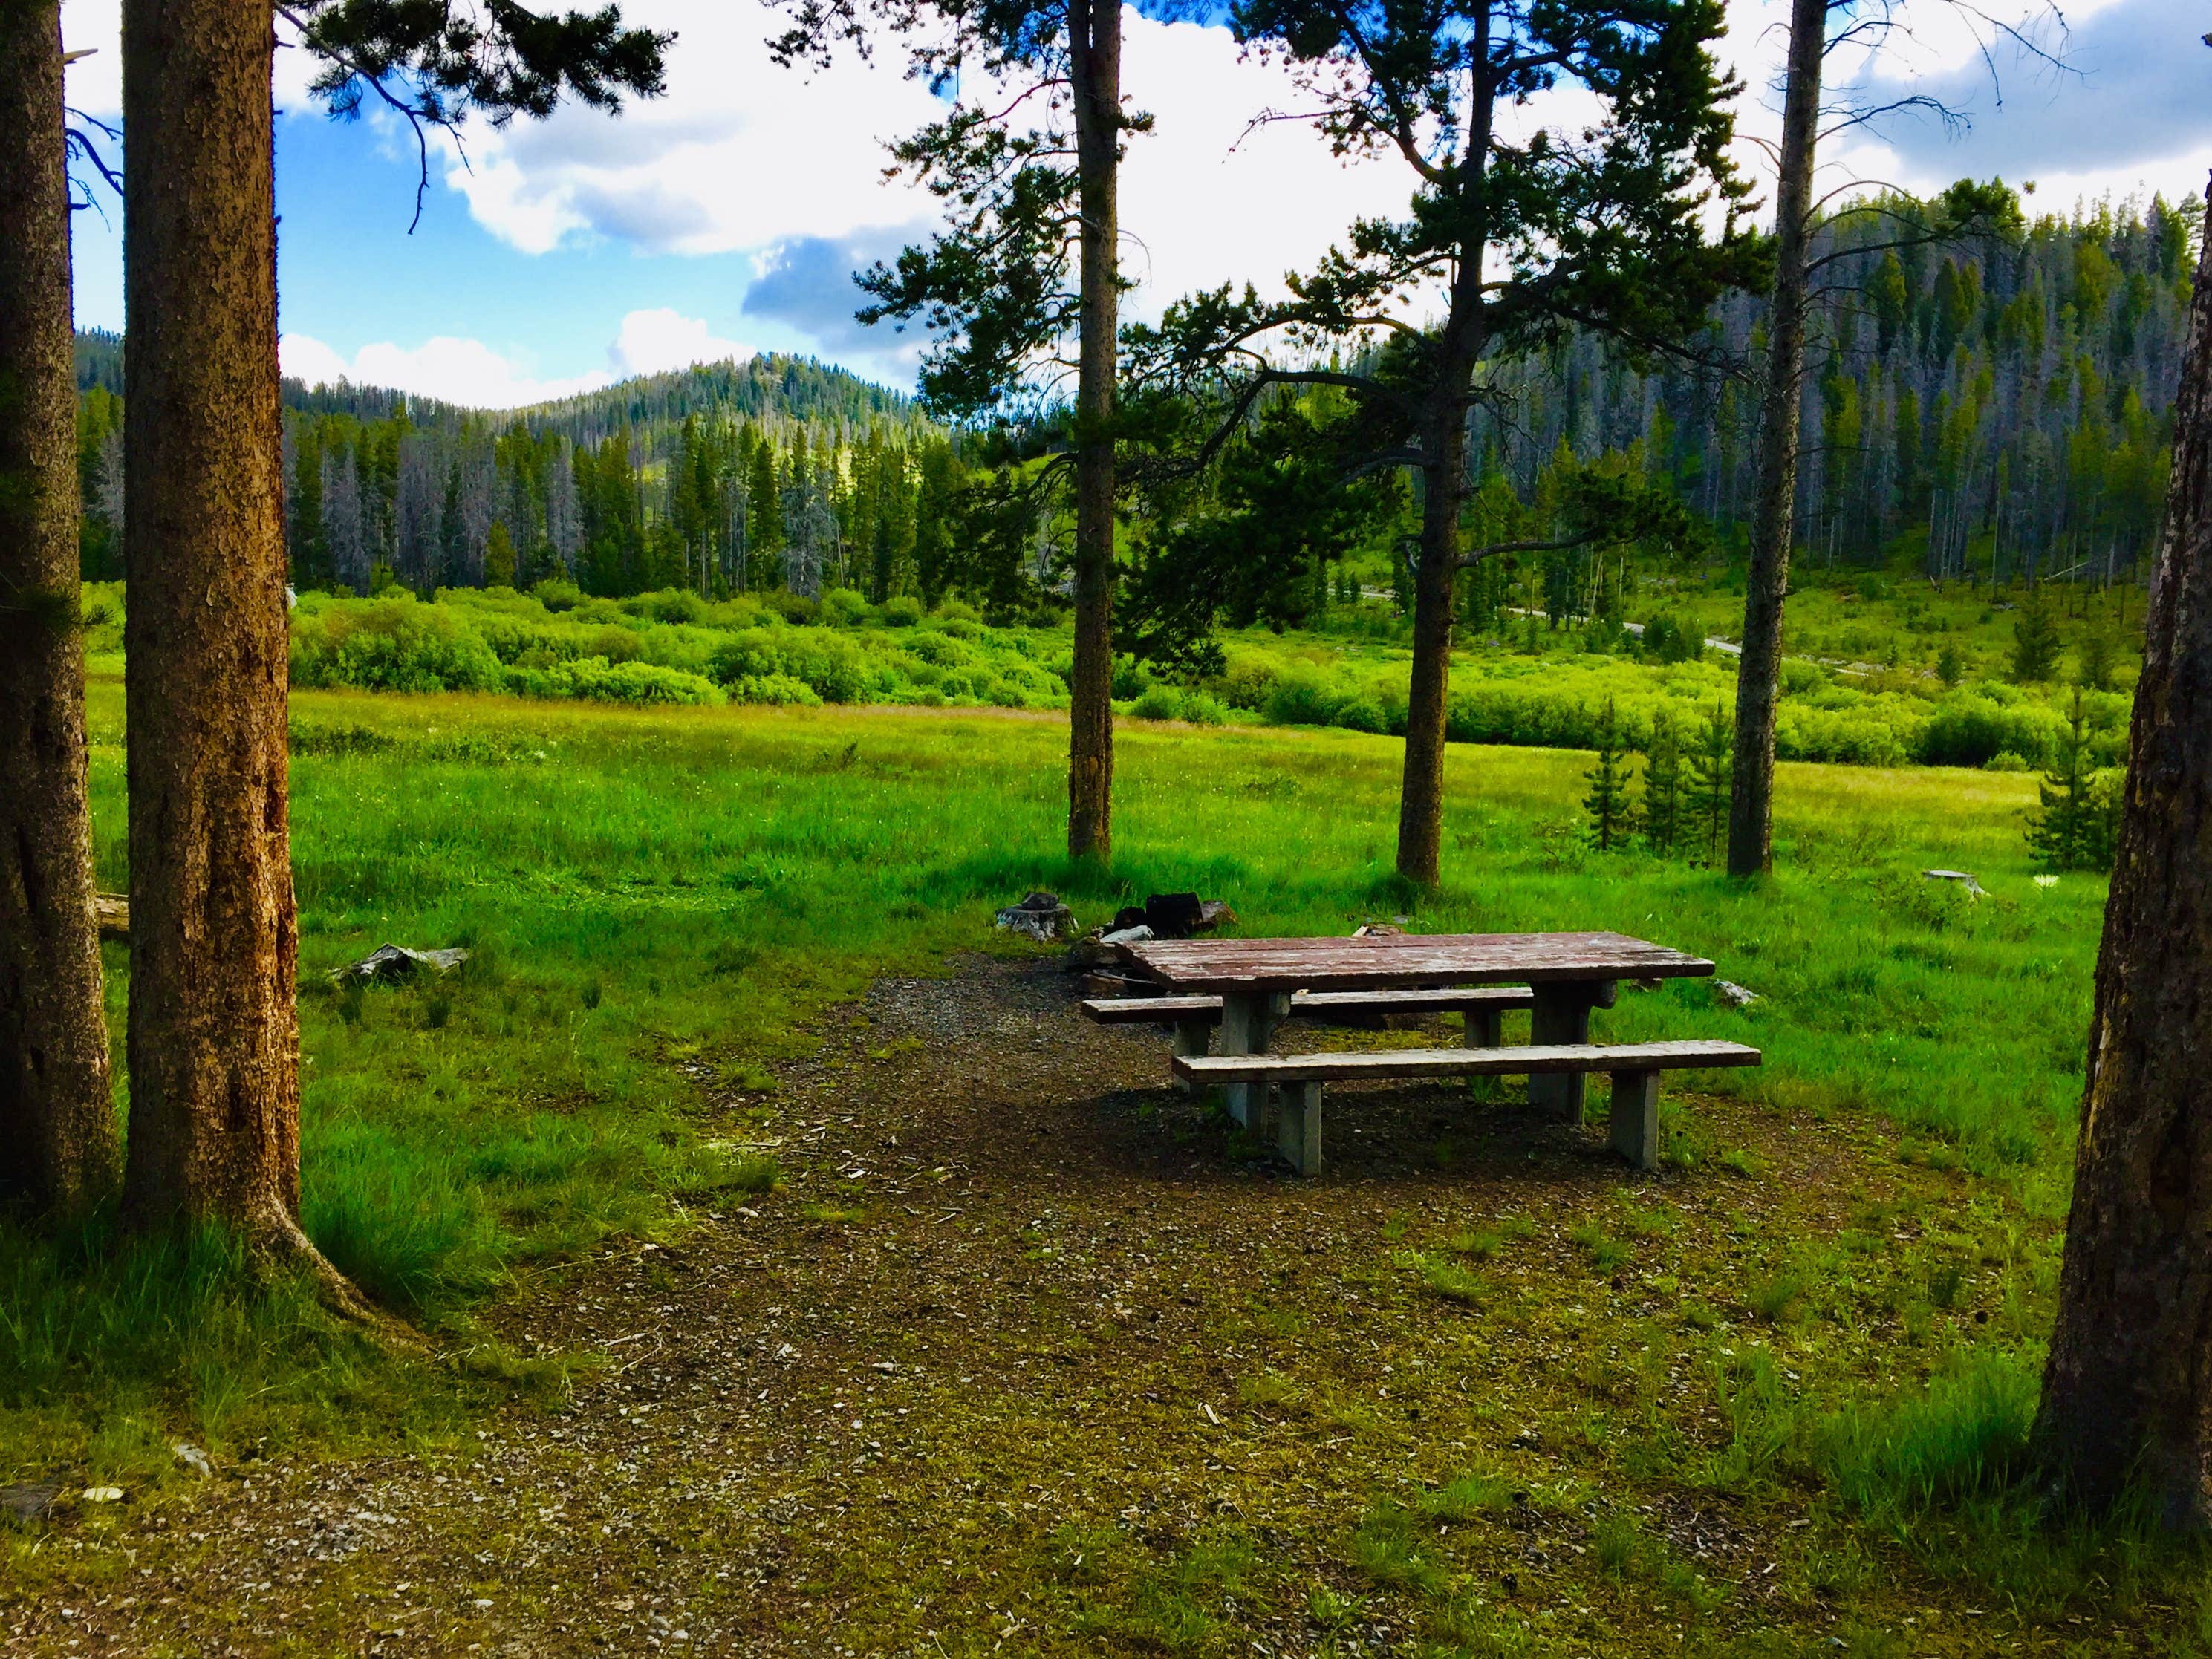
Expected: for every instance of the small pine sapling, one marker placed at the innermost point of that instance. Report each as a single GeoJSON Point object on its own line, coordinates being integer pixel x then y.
{"type": "Point", "coordinates": [1712, 776]}
{"type": "Point", "coordinates": [2069, 831]}
{"type": "Point", "coordinates": [2034, 643]}
{"type": "Point", "coordinates": [1608, 800]}
{"type": "Point", "coordinates": [1662, 821]}
{"type": "Point", "coordinates": [2099, 660]}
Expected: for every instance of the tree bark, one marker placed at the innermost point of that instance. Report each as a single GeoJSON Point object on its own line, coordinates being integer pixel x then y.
{"type": "Point", "coordinates": [57, 1141]}
{"type": "Point", "coordinates": [1759, 674]}
{"type": "Point", "coordinates": [1421, 792]}
{"type": "Point", "coordinates": [2127, 1394]}
{"type": "Point", "coordinates": [1443, 489]}
{"type": "Point", "coordinates": [1095, 39]}
{"type": "Point", "coordinates": [214, 1032]}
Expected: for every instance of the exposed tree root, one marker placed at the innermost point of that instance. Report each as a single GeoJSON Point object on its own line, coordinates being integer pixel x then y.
{"type": "Point", "coordinates": [278, 1243]}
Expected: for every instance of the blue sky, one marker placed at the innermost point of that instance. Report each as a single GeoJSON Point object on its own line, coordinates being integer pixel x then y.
{"type": "Point", "coordinates": [728, 218]}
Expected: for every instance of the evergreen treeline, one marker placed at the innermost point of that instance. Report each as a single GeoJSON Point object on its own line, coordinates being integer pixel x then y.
{"type": "Point", "coordinates": [1995, 409]}
{"type": "Point", "coordinates": [1999, 407]}
{"type": "Point", "coordinates": [777, 474]}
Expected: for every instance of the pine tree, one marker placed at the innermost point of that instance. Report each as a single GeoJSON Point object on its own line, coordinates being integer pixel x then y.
{"type": "Point", "coordinates": [1712, 770]}
{"type": "Point", "coordinates": [2035, 642]}
{"type": "Point", "coordinates": [2125, 1409]}
{"type": "Point", "coordinates": [499, 557]}
{"type": "Point", "coordinates": [56, 1112]}
{"type": "Point", "coordinates": [2067, 833]}
{"type": "Point", "coordinates": [1662, 820]}
{"type": "Point", "coordinates": [1608, 800]}
{"type": "Point", "coordinates": [2099, 660]}
{"type": "Point", "coordinates": [1618, 248]}
{"type": "Point", "coordinates": [764, 521]}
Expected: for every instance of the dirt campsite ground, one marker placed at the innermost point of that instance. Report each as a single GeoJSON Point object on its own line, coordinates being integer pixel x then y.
{"type": "Point", "coordinates": [1029, 1353]}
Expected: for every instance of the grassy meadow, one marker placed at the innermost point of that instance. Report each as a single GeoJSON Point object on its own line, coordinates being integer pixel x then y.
{"type": "Point", "coordinates": [1863, 689]}
{"type": "Point", "coordinates": [663, 900]}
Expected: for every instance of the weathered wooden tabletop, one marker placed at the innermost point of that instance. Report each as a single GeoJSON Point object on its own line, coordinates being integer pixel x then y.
{"type": "Point", "coordinates": [1234, 966]}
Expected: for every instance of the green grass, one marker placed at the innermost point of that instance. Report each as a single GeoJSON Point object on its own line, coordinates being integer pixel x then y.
{"type": "Point", "coordinates": [646, 891]}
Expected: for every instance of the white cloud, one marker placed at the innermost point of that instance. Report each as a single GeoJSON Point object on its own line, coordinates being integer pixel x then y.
{"type": "Point", "coordinates": [651, 341]}
{"type": "Point", "coordinates": [457, 371]}
{"type": "Point", "coordinates": [739, 153]}
{"type": "Point", "coordinates": [2022, 120]}
{"type": "Point", "coordinates": [469, 372]}
{"type": "Point", "coordinates": [743, 156]}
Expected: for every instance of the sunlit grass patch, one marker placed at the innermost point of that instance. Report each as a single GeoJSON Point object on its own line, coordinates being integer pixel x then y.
{"type": "Point", "coordinates": [1444, 1278]}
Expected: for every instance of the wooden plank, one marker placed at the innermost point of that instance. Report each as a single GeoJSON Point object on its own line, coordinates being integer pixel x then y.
{"type": "Point", "coordinates": [1152, 1011]}
{"type": "Point", "coordinates": [1404, 1064]}
{"type": "Point", "coordinates": [1404, 960]}
{"type": "Point", "coordinates": [1442, 999]}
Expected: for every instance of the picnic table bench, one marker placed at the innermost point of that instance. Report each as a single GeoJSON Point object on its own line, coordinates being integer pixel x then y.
{"type": "Point", "coordinates": [1261, 982]}
{"type": "Point", "coordinates": [1194, 1018]}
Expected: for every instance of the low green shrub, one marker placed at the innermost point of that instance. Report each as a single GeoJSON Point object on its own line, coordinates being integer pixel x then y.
{"type": "Point", "coordinates": [396, 643]}
{"type": "Point", "coordinates": [776, 689]}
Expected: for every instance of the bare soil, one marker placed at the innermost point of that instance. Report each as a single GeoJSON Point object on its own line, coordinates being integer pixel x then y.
{"type": "Point", "coordinates": [1030, 1353]}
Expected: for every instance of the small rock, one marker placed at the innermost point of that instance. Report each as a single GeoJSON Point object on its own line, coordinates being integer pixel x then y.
{"type": "Point", "coordinates": [192, 1458]}
{"type": "Point", "coordinates": [29, 1502]}
{"type": "Point", "coordinates": [1731, 995]}
{"type": "Point", "coordinates": [1136, 935]}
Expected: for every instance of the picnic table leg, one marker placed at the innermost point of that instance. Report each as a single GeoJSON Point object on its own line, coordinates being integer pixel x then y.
{"type": "Point", "coordinates": [1244, 1031]}
{"type": "Point", "coordinates": [1248, 1025]}
{"type": "Point", "coordinates": [1193, 1038]}
{"type": "Point", "coordinates": [1298, 1126]}
{"type": "Point", "coordinates": [1562, 1016]}
{"type": "Point", "coordinates": [1485, 1029]}
{"type": "Point", "coordinates": [1635, 1127]}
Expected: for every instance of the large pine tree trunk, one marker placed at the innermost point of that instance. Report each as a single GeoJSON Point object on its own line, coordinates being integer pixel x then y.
{"type": "Point", "coordinates": [2128, 1392]}
{"type": "Point", "coordinates": [214, 1034]}
{"type": "Point", "coordinates": [1095, 34]}
{"type": "Point", "coordinates": [56, 1115]}
{"type": "Point", "coordinates": [1759, 677]}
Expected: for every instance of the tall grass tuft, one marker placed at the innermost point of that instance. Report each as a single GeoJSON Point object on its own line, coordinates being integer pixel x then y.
{"type": "Point", "coordinates": [1965, 1438]}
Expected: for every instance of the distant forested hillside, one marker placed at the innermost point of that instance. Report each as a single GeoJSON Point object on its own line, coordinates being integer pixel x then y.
{"type": "Point", "coordinates": [1995, 407]}
{"type": "Point", "coordinates": [777, 472]}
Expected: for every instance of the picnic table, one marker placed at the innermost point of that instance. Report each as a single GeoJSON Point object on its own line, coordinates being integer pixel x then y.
{"type": "Point", "coordinates": [1567, 974]}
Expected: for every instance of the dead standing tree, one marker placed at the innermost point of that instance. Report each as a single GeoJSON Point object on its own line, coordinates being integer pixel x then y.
{"type": "Point", "coordinates": [1817, 28]}
{"type": "Point", "coordinates": [2127, 1395]}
